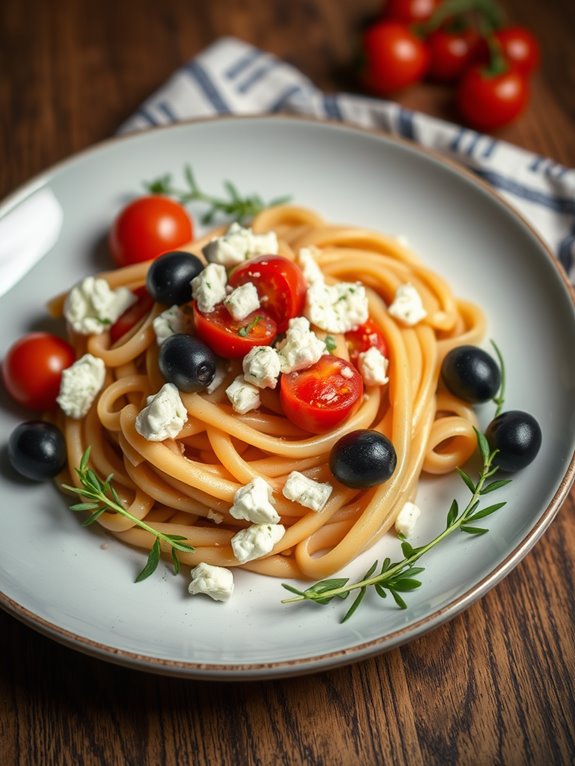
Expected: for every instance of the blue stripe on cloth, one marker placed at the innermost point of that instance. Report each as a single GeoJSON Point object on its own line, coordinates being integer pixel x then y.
{"type": "Point", "coordinates": [489, 149]}
{"type": "Point", "coordinates": [166, 109]}
{"type": "Point", "coordinates": [562, 205]}
{"type": "Point", "coordinates": [471, 148]}
{"type": "Point", "coordinates": [257, 75]}
{"type": "Point", "coordinates": [284, 97]}
{"type": "Point", "coordinates": [146, 115]}
{"type": "Point", "coordinates": [566, 251]}
{"type": "Point", "coordinates": [456, 141]}
{"type": "Point", "coordinates": [331, 107]}
{"type": "Point", "coordinates": [199, 74]}
{"type": "Point", "coordinates": [406, 124]}
{"type": "Point", "coordinates": [242, 63]}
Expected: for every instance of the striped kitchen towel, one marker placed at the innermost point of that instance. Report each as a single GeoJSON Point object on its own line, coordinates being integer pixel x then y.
{"type": "Point", "coordinates": [232, 77]}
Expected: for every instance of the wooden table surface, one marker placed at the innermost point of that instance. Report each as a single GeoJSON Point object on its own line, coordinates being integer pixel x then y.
{"type": "Point", "coordinates": [493, 686]}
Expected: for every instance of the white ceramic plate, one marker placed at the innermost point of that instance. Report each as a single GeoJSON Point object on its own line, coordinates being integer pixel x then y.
{"type": "Point", "coordinates": [62, 580]}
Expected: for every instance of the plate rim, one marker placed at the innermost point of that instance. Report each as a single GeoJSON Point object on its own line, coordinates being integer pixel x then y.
{"type": "Point", "coordinates": [241, 671]}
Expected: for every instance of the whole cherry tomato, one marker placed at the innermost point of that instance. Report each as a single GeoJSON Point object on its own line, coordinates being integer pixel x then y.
{"type": "Point", "coordinates": [323, 396]}
{"type": "Point", "coordinates": [32, 369]}
{"type": "Point", "coordinates": [488, 101]}
{"type": "Point", "coordinates": [363, 338]}
{"type": "Point", "coordinates": [280, 284]}
{"type": "Point", "coordinates": [232, 338]}
{"type": "Point", "coordinates": [409, 11]}
{"type": "Point", "coordinates": [394, 57]}
{"type": "Point", "coordinates": [132, 315]}
{"type": "Point", "coordinates": [148, 227]}
{"type": "Point", "coordinates": [451, 53]}
{"type": "Point", "coordinates": [520, 48]}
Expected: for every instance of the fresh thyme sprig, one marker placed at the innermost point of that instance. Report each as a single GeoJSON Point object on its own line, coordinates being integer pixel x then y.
{"type": "Point", "coordinates": [235, 206]}
{"type": "Point", "coordinates": [100, 496]}
{"type": "Point", "coordinates": [400, 576]}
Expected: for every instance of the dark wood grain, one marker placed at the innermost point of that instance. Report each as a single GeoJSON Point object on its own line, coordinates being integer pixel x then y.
{"type": "Point", "coordinates": [494, 686]}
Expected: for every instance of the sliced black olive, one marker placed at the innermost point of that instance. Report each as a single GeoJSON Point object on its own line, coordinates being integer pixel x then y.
{"type": "Point", "coordinates": [517, 437]}
{"type": "Point", "coordinates": [471, 374]}
{"type": "Point", "coordinates": [187, 362]}
{"type": "Point", "coordinates": [37, 450]}
{"type": "Point", "coordinates": [170, 275]}
{"type": "Point", "coordinates": [362, 458]}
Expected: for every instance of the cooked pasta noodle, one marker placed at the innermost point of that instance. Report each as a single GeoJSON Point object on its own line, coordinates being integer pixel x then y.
{"type": "Point", "coordinates": [186, 485]}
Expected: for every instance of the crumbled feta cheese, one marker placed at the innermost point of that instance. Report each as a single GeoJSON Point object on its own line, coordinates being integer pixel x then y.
{"type": "Point", "coordinates": [164, 416]}
{"type": "Point", "coordinates": [92, 306]}
{"type": "Point", "coordinates": [336, 308]}
{"type": "Point", "coordinates": [262, 366]}
{"type": "Point", "coordinates": [309, 266]}
{"type": "Point", "coordinates": [253, 503]}
{"type": "Point", "coordinates": [238, 244]}
{"type": "Point", "coordinates": [219, 377]}
{"type": "Point", "coordinates": [209, 287]}
{"type": "Point", "coordinates": [305, 491]}
{"type": "Point", "coordinates": [406, 519]}
{"type": "Point", "coordinates": [256, 541]}
{"type": "Point", "coordinates": [215, 582]}
{"type": "Point", "coordinates": [170, 322]}
{"type": "Point", "coordinates": [373, 367]}
{"type": "Point", "coordinates": [407, 305]}
{"type": "Point", "coordinates": [216, 517]}
{"type": "Point", "coordinates": [80, 385]}
{"type": "Point", "coordinates": [242, 301]}
{"type": "Point", "coordinates": [301, 347]}
{"type": "Point", "coordinates": [243, 396]}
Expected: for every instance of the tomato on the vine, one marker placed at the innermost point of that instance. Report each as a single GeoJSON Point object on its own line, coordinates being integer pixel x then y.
{"type": "Point", "coordinates": [321, 397]}
{"type": "Point", "coordinates": [394, 57]}
{"type": "Point", "coordinates": [488, 101]}
{"type": "Point", "coordinates": [363, 338]}
{"type": "Point", "coordinates": [280, 284]}
{"type": "Point", "coordinates": [233, 338]}
{"type": "Point", "coordinates": [148, 227]}
{"type": "Point", "coordinates": [451, 53]}
{"type": "Point", "coordinates": [132, 315]}
{"type": "Point", "coordinates": [519, 47]}
{"type": "Point", "coordinates": [32, 369]}
{"type": "Point", "coordinates": [409, 11]}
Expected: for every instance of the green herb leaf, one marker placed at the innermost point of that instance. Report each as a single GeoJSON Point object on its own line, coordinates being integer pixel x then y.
{"type": "Point", "coordinates": [152, 562]}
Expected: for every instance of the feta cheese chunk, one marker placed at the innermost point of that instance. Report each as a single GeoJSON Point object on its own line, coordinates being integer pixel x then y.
{"type": "Point", "coordinates": [238, 244]}
{"type": "Point", "coordinates": [170, 322]}
{"type": "Point", "coordinates": [406, 519]}
{"type": "Point", "coordinates": [336, 308]}
{"type": "Point", "coordinates": [209, 287]}
{"type": "Point", "coordinates": [407, 305]}
{"type": "Point", "coordinates": [243, 396]}
{"type": "Point", "coordinates": [301, 347]}
{"type": "Point", "coordinates": [262, 367]}
{"type": "Point", "coordinates": [256, 541]}
{"type": "Point", "coordinates": [242, 301]}
{"type": "Point", "coordinates": [253, 503]}
{"type": "Point", "coordinates": [305, 491]}
{"type": "Point", "coordinates": [309, 266]}
{"type": "Point", "coordinates": [373, 367]}
{"type": "Point", "coordinates": [164, 416]}
{"type": "Point", "coordinates": [214, 516]}
{"type": "Point", "coordinates": [80, 385]}
{"type": "Point", "coordinates": [219, 377]}
{"type": "Point", "coordinates": [92, 306]}
{"type": "Point", "coordinates": [215, 582]}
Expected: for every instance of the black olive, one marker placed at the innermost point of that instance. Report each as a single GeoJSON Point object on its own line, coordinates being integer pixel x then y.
{"type": "Point", "coordinates": [362, 458]}
{"type": "Point", "coordinates": [471, 374]}
{"type": "Point", "coordinates": [517, 436]}
{"type": "Point", "coordinates": [37, 450]}
{"type": "Point", "coordinates": [187, 362]}
{"type": "Point", "coordinates": [170, 275]}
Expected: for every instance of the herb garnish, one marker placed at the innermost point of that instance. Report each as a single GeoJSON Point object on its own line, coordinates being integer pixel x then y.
{"type": "Point", "coordinates": [330, 343]}
{"type": "Point", "coordinates": [399, 577]}
{"type": "Point", "coordinates": [101, 496]}
{"type": "Point", "coordinates": [235, 206]}
{"type": "Point", "coordinates": [246, 329]}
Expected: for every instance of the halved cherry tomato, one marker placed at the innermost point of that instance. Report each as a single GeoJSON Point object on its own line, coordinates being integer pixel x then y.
{"type": "Point", "coordinates": [488, 101]}
{"type": "Point", "coordinates": [409, 11]}
{"type": "Point", "coordinates": [233, 338]}
{"type": "Point", "coordinates": [451, 53]}
{"type": "Point", "coordinates": [148, 227]}
{"type": "Point", "coordinates": [132, 314]}
{"type": "Point", "coordinates": [32, 369]}
{"type": "Point", "coordinates": [280, 284]}
{"type": "Point", "coordinates": [520, 48]}
{"type": "Point", "coordinates": [323, 396]}
{"type": "Point", "coordinates": [394, 57]}
{"type": "Point", "coordinates": [366, 336]}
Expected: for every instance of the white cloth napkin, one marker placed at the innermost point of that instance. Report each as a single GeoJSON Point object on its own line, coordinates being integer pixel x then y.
{"type": "Point", "coordinates": [233, 77]}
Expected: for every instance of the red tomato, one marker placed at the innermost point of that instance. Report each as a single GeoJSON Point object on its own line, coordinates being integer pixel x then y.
{"type": "Point", "coordinates": [409, 11]}
{"type": "Point", "coordinates": [232, 338]}
{"type": "Point", "coordinates": [148, 227]}
{"type": "Point", "coordinates": [451, 53]}
{"type": "Point", "coordinates": [394, 57]}
{"type": "Point", "coordinates": [489, 101]}
{"type": "Point", "coordinates": [280, 284]}
{"type": "Point", "coordinates": [366, 336]}
{"type": "Point", "coordinates": [32, 369]}
{"type": "Point", "coordinates": [323, 396]}
{"type": "Point", "coordinates": [520, 48]}
{"type": "Point", "coordinates": [132, 314]}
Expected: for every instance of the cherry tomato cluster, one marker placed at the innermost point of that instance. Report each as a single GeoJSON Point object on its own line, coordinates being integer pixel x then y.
{"type": "Point", "coordinates": [463, 43]}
